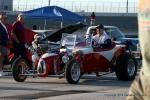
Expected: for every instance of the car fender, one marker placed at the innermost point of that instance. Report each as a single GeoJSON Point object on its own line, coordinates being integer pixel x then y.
{"type": "Point", "coordinates": [118, 53]}
{"type": "Point", "coordinates": [78, 55]}
{"type": "Point", "coordinates": [48, 62]}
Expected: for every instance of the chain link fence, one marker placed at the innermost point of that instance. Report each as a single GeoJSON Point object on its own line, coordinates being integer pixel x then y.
{"type": "Point", "coordinates": [79, 6]}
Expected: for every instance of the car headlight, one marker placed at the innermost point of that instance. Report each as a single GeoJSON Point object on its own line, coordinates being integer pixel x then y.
{"type": "Point", "coordinates": [63, 50]}
{"type": "Point", "coordinates": [65, 59]}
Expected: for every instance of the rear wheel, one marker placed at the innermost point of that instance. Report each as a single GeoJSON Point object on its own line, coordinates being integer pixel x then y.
{"type": "Point", "coordinates": [126, 67]}
{"type": "Point", "coordinates": [19, 68]}
{"type": "Point", "coordinates": [73, 72]}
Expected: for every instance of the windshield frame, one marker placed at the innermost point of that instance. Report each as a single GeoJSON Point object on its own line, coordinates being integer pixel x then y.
{"type": "Point", "coordinates": [77, 41]}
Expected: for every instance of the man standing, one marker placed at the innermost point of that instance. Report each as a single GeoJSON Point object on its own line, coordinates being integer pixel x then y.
{"type": "Point", "coordinates": [140, 89]}
{"type": "Point", "coordinates": [18, 33]}
{"type": "Point", "coordinates": [3, 40]}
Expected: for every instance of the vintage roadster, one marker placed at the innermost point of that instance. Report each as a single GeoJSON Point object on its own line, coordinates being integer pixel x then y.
{"type": "Point", "coordinates": [77, 55]}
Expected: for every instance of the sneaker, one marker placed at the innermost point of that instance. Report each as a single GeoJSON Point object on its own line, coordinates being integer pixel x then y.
{"type": "Point", "coordinates": [2, 73]}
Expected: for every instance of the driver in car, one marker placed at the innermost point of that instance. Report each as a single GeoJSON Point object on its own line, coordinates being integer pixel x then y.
{"type": "Point", "coordinates": [101, 38]}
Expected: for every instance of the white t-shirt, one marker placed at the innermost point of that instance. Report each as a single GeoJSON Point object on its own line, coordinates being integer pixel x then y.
{"type": "Point", "coordinates": [101, 39]}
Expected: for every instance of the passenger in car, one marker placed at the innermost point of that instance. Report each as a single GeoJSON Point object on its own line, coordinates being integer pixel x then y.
{"type": "Point", "coordinates": [101, 38]}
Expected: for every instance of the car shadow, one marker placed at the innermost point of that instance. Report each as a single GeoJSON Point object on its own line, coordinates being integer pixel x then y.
{"type": "Point", "coordinates": [109, 81]}
{"type": "Point", "coordinates": [91, 80]}
{"type": "Point", "coordinates": [104, 81]}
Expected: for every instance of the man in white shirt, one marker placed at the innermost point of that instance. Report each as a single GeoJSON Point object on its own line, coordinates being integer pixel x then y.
{"type": "Point", "coordinates": [101, 38]}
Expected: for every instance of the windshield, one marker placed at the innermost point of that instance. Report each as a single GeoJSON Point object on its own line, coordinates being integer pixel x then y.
{"type": "Point", "coordinates": [74, 40]}
{"type": "Point", "coordinates": [83, 41]}
{"type": "Point", "coordinates": [68, 40]}
{"type": "Point", "coordinates": [114, 33]}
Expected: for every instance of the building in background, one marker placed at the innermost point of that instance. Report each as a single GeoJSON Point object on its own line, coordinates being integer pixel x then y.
{"type": "Point", "coordinates": [6, 5]}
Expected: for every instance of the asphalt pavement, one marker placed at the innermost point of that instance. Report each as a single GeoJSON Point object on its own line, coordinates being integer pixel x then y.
{"type": "Point", "coordinates": [89, 88]}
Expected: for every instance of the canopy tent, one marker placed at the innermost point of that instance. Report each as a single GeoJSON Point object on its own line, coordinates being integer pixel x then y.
{"type": "Point", "coordinates": [54, 13]}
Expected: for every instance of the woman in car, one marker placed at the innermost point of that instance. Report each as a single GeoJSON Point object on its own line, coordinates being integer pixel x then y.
{"type": "Point", "coordinates": [101, 38]}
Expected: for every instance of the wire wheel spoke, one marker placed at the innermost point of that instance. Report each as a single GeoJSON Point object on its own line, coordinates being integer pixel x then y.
{"type": "Point", "coordinates": [131, 67]}
{"type": "Point", "coordinates": [75, 71]}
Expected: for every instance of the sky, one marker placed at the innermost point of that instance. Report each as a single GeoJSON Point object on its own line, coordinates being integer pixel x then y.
{"type": "Point", "coordinates": [79, 5]}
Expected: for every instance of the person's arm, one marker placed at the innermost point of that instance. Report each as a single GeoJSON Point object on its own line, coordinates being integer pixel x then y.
{"type": "Point", "coordinates": [94, 41]}
{"type": "Point", "coordinates": [106, 41]}
{"type": "Point", "coordinates": [3, 37]}
{"type": "Point", "coordinates": [15, 38]}
{"type": "Point", "coordinates": [13, 33]}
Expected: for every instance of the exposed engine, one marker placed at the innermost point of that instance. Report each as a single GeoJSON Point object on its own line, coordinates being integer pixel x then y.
{"type": "Point", "coordinates": [45, 59]}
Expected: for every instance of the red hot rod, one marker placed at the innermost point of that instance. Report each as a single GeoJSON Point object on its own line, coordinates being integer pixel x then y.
{"type": "Point", "coordinates": [76, 56]}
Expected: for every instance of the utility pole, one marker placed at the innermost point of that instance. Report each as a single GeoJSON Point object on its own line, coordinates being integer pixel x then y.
{"type": "Point", "coordinates": [127, 7]}
{"type": "Point", "coordinates": [49, 3]}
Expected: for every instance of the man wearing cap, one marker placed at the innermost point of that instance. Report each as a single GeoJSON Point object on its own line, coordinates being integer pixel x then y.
{"type": "Point", "coordinates": [4, 39]}
{"type": "Point", "coordinates": [101, 38]}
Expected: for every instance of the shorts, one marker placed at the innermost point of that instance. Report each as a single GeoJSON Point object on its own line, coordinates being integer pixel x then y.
{"type": "Point", "coordinates": [3, 51]}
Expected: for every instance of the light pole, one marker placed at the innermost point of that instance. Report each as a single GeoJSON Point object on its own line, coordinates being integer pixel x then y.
{"type": "Point", "coordinates": [127, 7]}
{"type": "Point", "coordinates": [49, 2]}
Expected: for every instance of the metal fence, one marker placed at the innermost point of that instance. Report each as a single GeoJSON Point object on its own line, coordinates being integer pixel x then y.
{"type": "Point", "coordinates": [83, 6]}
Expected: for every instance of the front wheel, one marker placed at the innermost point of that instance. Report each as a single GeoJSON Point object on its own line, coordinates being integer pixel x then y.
{"type": "Point", "coordinates": [19, 68]}
{"type": "Point", "coordinates": [73, 72]}
{"type": "Point", "coordinates": [126, 67]}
